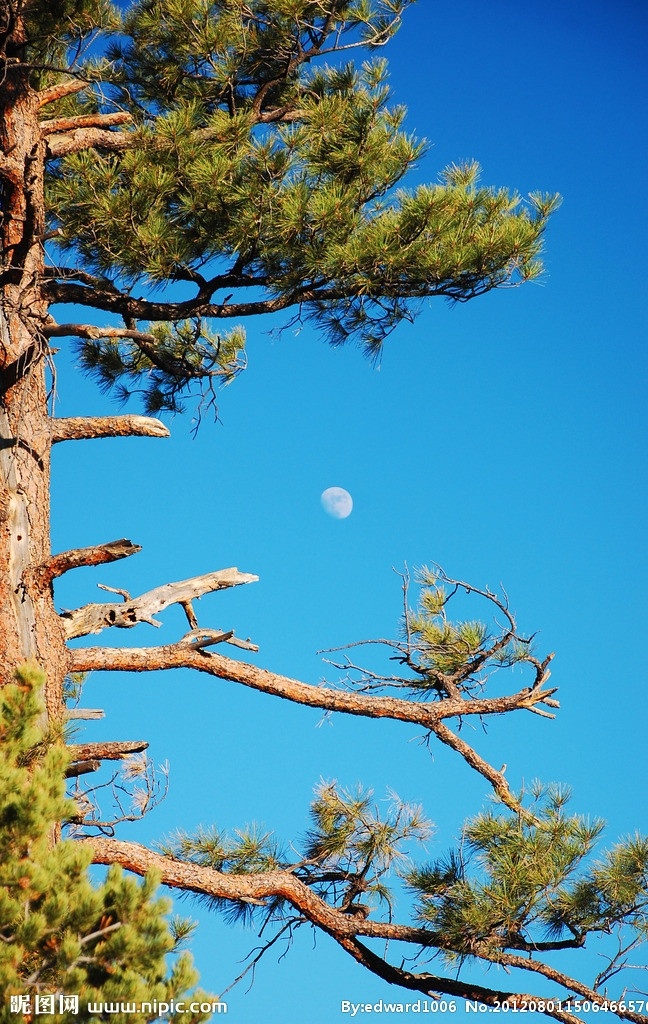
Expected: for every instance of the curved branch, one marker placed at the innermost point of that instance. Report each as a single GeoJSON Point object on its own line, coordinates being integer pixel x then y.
{"type": "Point", "coordinates": [258, 888]}
{"type": "Point", "coordinates": [186, 654]}
{"type": "Point", "coordinates": [432, 985]}
{"type": "Point", "coordinates": [528, 964]}
{"type": "Point", "coordinates": [181, 655]}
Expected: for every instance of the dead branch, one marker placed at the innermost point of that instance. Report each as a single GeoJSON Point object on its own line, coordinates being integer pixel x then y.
{"type": "Point", "coordinates": [81, 768]}
{"type": "Point", "coordinates": [57, 92]}
{"type": "Point", "coordinates": [471, 757]}
{"type": "Point", "coordinates": [92, 618]}
{"type": "Point", "coordinates": [85, 714]}
{"type": "Point", "coordinates": [87, 138]}
{"type": "Point", "coordinates": [136, 788]}
{"type": "Point", "coordinates": [66, 124]}
{"type": "Point", "coordinates": [198, 639]}
{"type": "Point", "coordinates": [115, 751]}
{"type": "Point", "coordinates": [80, 428]}
{"type": "Point", "coordinates": [59, 564]}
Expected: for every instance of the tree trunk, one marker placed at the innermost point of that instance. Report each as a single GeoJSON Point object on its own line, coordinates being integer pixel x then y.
{"type": "Point", "coordinates": [29, 625]}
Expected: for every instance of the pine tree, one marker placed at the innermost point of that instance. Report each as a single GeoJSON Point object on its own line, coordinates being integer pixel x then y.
{"type": "Point", "coordinates": [169, 166]}
{"type": "Point", "coordinates": [67, 943]}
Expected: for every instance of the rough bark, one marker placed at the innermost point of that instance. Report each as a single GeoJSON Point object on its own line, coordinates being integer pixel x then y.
{"type": "Point", "coordinates": [106, 751]}
{"type": "Point", "coordinates": [29, 625]}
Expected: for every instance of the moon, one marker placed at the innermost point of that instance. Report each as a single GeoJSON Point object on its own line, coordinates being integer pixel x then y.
{"type": "Point", "coordinates": [337, 502]}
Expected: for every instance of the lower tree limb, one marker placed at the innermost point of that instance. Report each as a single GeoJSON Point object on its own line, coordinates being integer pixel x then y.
{"type": "Point", "coordinates": [258, 888]}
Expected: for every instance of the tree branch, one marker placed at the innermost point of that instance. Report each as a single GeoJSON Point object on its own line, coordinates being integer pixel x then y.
{"type": "Point", "coordinates": [433, 985]}
{"type": "Point", "coordinates": [54, 330]}
{"type": "Point", "coordinates": [92, 618]}
{"type": "Point", "coordinates": [99, 554]}
{"type": "Point", "coordinates": [115, 751]}
{"type": "Point", "coordinates": [57, 92]}
{"type": "Point", "coordinates": [84, 714]}
{"type": "Point", "coordinates": [81, 768]}
{"type": "Point", "coordinates": [182, 655]}
{"type": "Point", "coordinates": [471, 757]}
{"type": "Point", "coordinates": [66, 124]}
{"type": "Point", "coordinates": [113, 301]}
{"type": "Point", "coordinates": [87, 138]}
{"type": "Point", "coordinates": [258, 888]}
{"type": "Point", "coordinates": [80, 428]}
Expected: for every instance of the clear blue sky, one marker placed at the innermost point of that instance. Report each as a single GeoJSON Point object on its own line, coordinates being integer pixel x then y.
{"type": "Point", "coordinates": [505, 439]}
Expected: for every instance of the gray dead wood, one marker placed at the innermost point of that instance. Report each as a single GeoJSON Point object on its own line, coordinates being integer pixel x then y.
{"type": "Point", "coordinates": [92, 618]}
{"type": "Point", "coordinates": [85, 714]}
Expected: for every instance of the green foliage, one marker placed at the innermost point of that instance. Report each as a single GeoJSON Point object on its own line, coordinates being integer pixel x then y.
{"type": "Point", "coordinates": [59, 932]}
{"type": "Point", "coordinates": [517, 882]}
{"type": "Point", "coordinates": [348, 850]}
{"type": "Point", "coordinates": [164, 362]}
{"type": "Point", "coordinates": [465, 651]}
{"type": "Point", "coordinates": [250, 170]}
{"type": "Point", "coordinates": [60, 31]}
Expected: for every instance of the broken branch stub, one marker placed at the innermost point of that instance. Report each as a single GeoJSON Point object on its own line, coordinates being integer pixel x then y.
{"type": "Point", "coordinates": [92, 618]}
{"type": "Point", "coordinates": [81, 428]}
{"type": "Point", "coordinates": [98, 554]}
{"type": "Point", "coordinates": [112, 751]}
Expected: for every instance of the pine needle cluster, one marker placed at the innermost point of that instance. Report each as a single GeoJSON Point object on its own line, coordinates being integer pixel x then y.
{"type": "Point", "coordinates": [531, 883]}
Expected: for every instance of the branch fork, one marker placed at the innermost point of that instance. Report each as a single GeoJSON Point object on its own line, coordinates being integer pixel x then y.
{"type": "Point", "coordinates": [93, 618]}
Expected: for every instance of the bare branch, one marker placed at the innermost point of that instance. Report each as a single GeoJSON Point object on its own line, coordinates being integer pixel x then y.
{"type": "Point", "coordinates": [85, 714]}
{"type": "Point", "coordinates": [81, 428]}
{"type": "Point", "coordinates": [82, 768]}
{"type": "Point", "coordinates": [66, 124]}
{"type": "Point", "coordinates": [57, 92]}
{"type": "Point", "coordinates": [92, 618]}
{"type": "Point", "coordinates": [87, 138]}
{"type": "Point", "coordinates": [59, 564]}
{"type": "Point", "coordinates": [115, 751]}
{"type": "Point", "coordinates": [471, 757]}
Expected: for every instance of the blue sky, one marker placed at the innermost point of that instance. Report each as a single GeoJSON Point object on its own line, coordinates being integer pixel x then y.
{"type": "Point", "coordinates": [504, 439]}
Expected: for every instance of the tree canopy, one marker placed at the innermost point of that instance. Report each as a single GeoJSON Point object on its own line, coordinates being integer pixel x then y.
{"type": "Point", "coordinates": [236, 151]}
